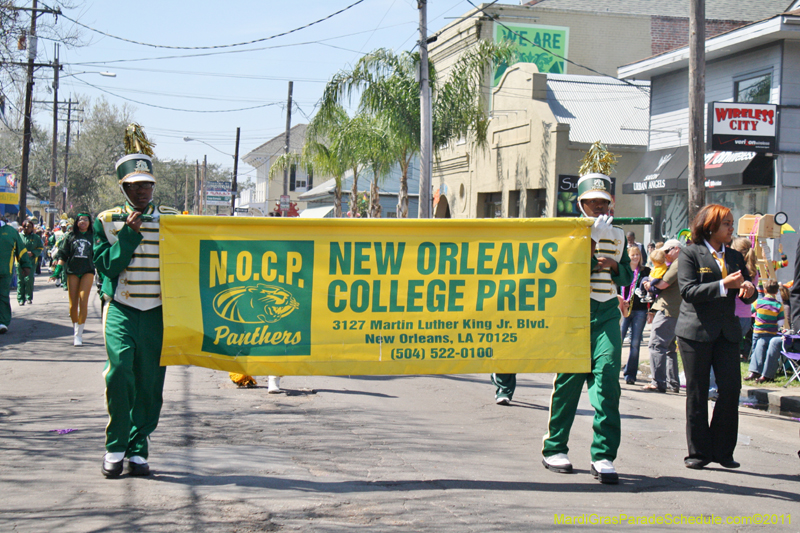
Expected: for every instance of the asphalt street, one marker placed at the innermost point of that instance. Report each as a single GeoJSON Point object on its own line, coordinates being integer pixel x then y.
{"type": "Point", "coordinates": [360, 453]}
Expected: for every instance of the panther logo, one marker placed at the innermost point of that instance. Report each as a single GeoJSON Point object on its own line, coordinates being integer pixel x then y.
{"type": "Point", "coordinates": [254, 305]}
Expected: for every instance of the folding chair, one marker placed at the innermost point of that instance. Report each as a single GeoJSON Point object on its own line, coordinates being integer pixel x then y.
{"type": "Point", "coordinates": [791, 357]}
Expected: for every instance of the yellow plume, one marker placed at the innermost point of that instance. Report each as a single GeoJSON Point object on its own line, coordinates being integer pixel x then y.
{"type": "Point", "coordinates": [136, 141]}
{"type": "Point", "coordinates": [598, 159]}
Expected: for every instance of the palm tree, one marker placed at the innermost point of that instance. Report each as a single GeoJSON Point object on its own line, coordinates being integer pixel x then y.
{"type": "Point", "coordinates": [389, 91]}
{"type": "Point", "coordinates": [331, 144]}
{"type": "Point", "coordinates": [375, 151]}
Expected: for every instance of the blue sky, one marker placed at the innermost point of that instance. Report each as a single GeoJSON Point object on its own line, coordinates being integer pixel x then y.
{"type": "Point", "coordinates": [256, 77]}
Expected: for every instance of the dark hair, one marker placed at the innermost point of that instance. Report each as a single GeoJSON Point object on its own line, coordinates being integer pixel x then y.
{"type": "Point", "coordinates": [75, 229]}
{"type": "Point", "coordinates": [707, 222]}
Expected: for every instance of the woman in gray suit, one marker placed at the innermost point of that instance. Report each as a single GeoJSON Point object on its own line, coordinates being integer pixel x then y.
{"type": "Point", "coordinates": [711, 276]}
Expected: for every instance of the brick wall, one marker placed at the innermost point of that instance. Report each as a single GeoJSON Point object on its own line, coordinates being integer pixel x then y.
{"type": "Point", "coordinates": [668, 33]}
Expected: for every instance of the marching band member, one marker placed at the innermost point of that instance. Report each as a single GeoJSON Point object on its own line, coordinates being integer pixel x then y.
{"type": "Point", "coordinates": [126, 255]}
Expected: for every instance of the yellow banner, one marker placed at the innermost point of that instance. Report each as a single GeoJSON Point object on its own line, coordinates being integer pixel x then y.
{"type": "Point", "coordinates": [9, 198]}
{"type": "Point", "coordinates": [290, 296]}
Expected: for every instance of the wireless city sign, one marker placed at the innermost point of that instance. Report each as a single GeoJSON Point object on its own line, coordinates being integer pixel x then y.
{"type": "Point", "coordinates": [740, 127]}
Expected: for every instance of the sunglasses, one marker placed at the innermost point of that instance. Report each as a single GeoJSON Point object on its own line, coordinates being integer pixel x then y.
{"type": "Point", "coordinates": [145, 185]}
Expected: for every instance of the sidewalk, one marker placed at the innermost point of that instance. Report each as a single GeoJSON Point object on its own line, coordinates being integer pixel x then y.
{"type": "Point", "coordinates": [780, 400]}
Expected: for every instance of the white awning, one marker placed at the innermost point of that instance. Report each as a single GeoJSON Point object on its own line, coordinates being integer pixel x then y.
{"type": "Point", "coordinates": [317, 212]}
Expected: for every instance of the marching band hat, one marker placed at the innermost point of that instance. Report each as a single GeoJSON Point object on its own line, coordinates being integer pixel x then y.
{"type": "Point", "coordinates": [594, 185]}
{"type": "Point", "coordinates": [135, 167]}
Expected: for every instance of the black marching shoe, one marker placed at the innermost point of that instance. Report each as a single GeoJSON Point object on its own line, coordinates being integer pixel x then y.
{"type": "Point", "coordinates": [111, 469]}
{"type": "Point", "coordinates": [695, 463]}
{"type": "Point", "coordinates": [138, 469]}
{"type": "Point", "coordinates": [730, 463]}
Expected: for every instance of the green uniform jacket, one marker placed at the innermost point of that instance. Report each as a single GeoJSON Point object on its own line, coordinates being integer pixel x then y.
{"type": "Point", "coordinates": [33, 243]}
{"type": "Point", "coordinates": [111, 259]}
{"type": "Point", "coordinates": [12, 247]}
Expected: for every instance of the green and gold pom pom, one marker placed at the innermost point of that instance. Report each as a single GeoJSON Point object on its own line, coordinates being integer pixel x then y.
{"type": "Point", "coordinates": [598, 159]}
{"type": "Point", "coordinates": [136, 142]}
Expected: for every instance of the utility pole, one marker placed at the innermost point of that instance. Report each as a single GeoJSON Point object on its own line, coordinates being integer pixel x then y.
{"type": "Point", "coordinates": [186, 188]}
{"type": "Point", "coordinates": [286, 146]}
{"type": "Point", "coordinates": [697, 96]}
{"type": "Point", "coordinates": [66, 155]}
{"type": "Point", "coordinates": [54, 178]}
{"type": "Point", "coordinates": [235, 171]}
{"type": "Point", "coordinates": [196, 205]}
{"type": "Point", "coordinates": [426, 133]}
{"type": "Point", "coordinates": [26, 128]}
{"type": "Point", "coordinates": [203, 186]}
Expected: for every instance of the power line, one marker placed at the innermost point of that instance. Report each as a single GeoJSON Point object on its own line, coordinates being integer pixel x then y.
{"type": "Point", "coordinates": [322, 42]}
{"type": "Point", "coordinates": [177, 109]}
{"type": "Point", "coordinates": [215, 46]}
{"type": "Point", "coordinates": [210, 74]}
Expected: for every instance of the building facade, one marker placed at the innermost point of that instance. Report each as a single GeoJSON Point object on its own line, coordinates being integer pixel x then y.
{"type": "Point", "coordinates": [536, 139]}
{"type": "Point", "coordinates": [757, 63]}
{"type": "Point", "coordinates": [267, 194]}
{"type": "Point", "coordinates": [541, 127]}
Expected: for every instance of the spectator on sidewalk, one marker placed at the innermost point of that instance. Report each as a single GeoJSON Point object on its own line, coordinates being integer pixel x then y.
{"type": "Point", "coordinates": [662, 346]}
{"type": "Point", "coordinates": [769, 316]}
{"type": "Point", "coordinates": [634, 313]}
{"type": "Point", "coordinates": [631, 238]}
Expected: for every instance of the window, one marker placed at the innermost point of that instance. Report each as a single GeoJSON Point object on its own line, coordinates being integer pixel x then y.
{"type": "Point", "coordinates": [490, 205]}
{"type": "Point", "coordinates": [742, 201]}
{"type": "Point", "coordinates": [753, 89]}
{"type": "Point", "coordinates": [513, 204]}
{"type": "Point", "coordinates": [537, 203]}
{"type": "Point", "coordinates": [299, 182]}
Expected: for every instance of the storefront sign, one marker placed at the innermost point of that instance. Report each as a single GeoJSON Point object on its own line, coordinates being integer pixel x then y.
{"type": "Point", "coordinates": [358, 297]}
{"type": "Point", "coordinates": [740, 127]}
{"type": "Point", "coordinates": [657, 171]}
{"type": "Point", "coordinates": [567, 201]}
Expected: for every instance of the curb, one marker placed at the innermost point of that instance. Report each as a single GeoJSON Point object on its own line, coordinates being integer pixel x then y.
{"type": "Point", "coordinates": [778, 398]}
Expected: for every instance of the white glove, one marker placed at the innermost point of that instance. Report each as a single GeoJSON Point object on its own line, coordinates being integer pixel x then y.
{"type": "Point", "coordinates": [602, 228]}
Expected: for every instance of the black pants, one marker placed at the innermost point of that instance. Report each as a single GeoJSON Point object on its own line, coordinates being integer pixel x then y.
{"type": "Point", "coordinates": [717, 441]}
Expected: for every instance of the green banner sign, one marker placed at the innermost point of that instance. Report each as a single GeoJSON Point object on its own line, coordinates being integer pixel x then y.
{"type": "Point", "coordinates": [534, 44]}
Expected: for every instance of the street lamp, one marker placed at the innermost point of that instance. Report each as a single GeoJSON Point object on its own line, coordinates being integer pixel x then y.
{"type": "Point", "coordinates": [106, 74]}
{"type": "Point", "coordinates": [189, 139]}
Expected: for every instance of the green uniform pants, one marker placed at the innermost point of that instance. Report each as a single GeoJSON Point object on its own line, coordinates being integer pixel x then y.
{"type": "Point", "coordinates": [604, 390]}
{"type": "Point", "coordinates": [25, 286]}
{"type": "Point", "coordinates": [5, 302]}
{"type": "Point", "coordinates": [505, 385]}
{"type": "Point", "coordinates": [134, 377]}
